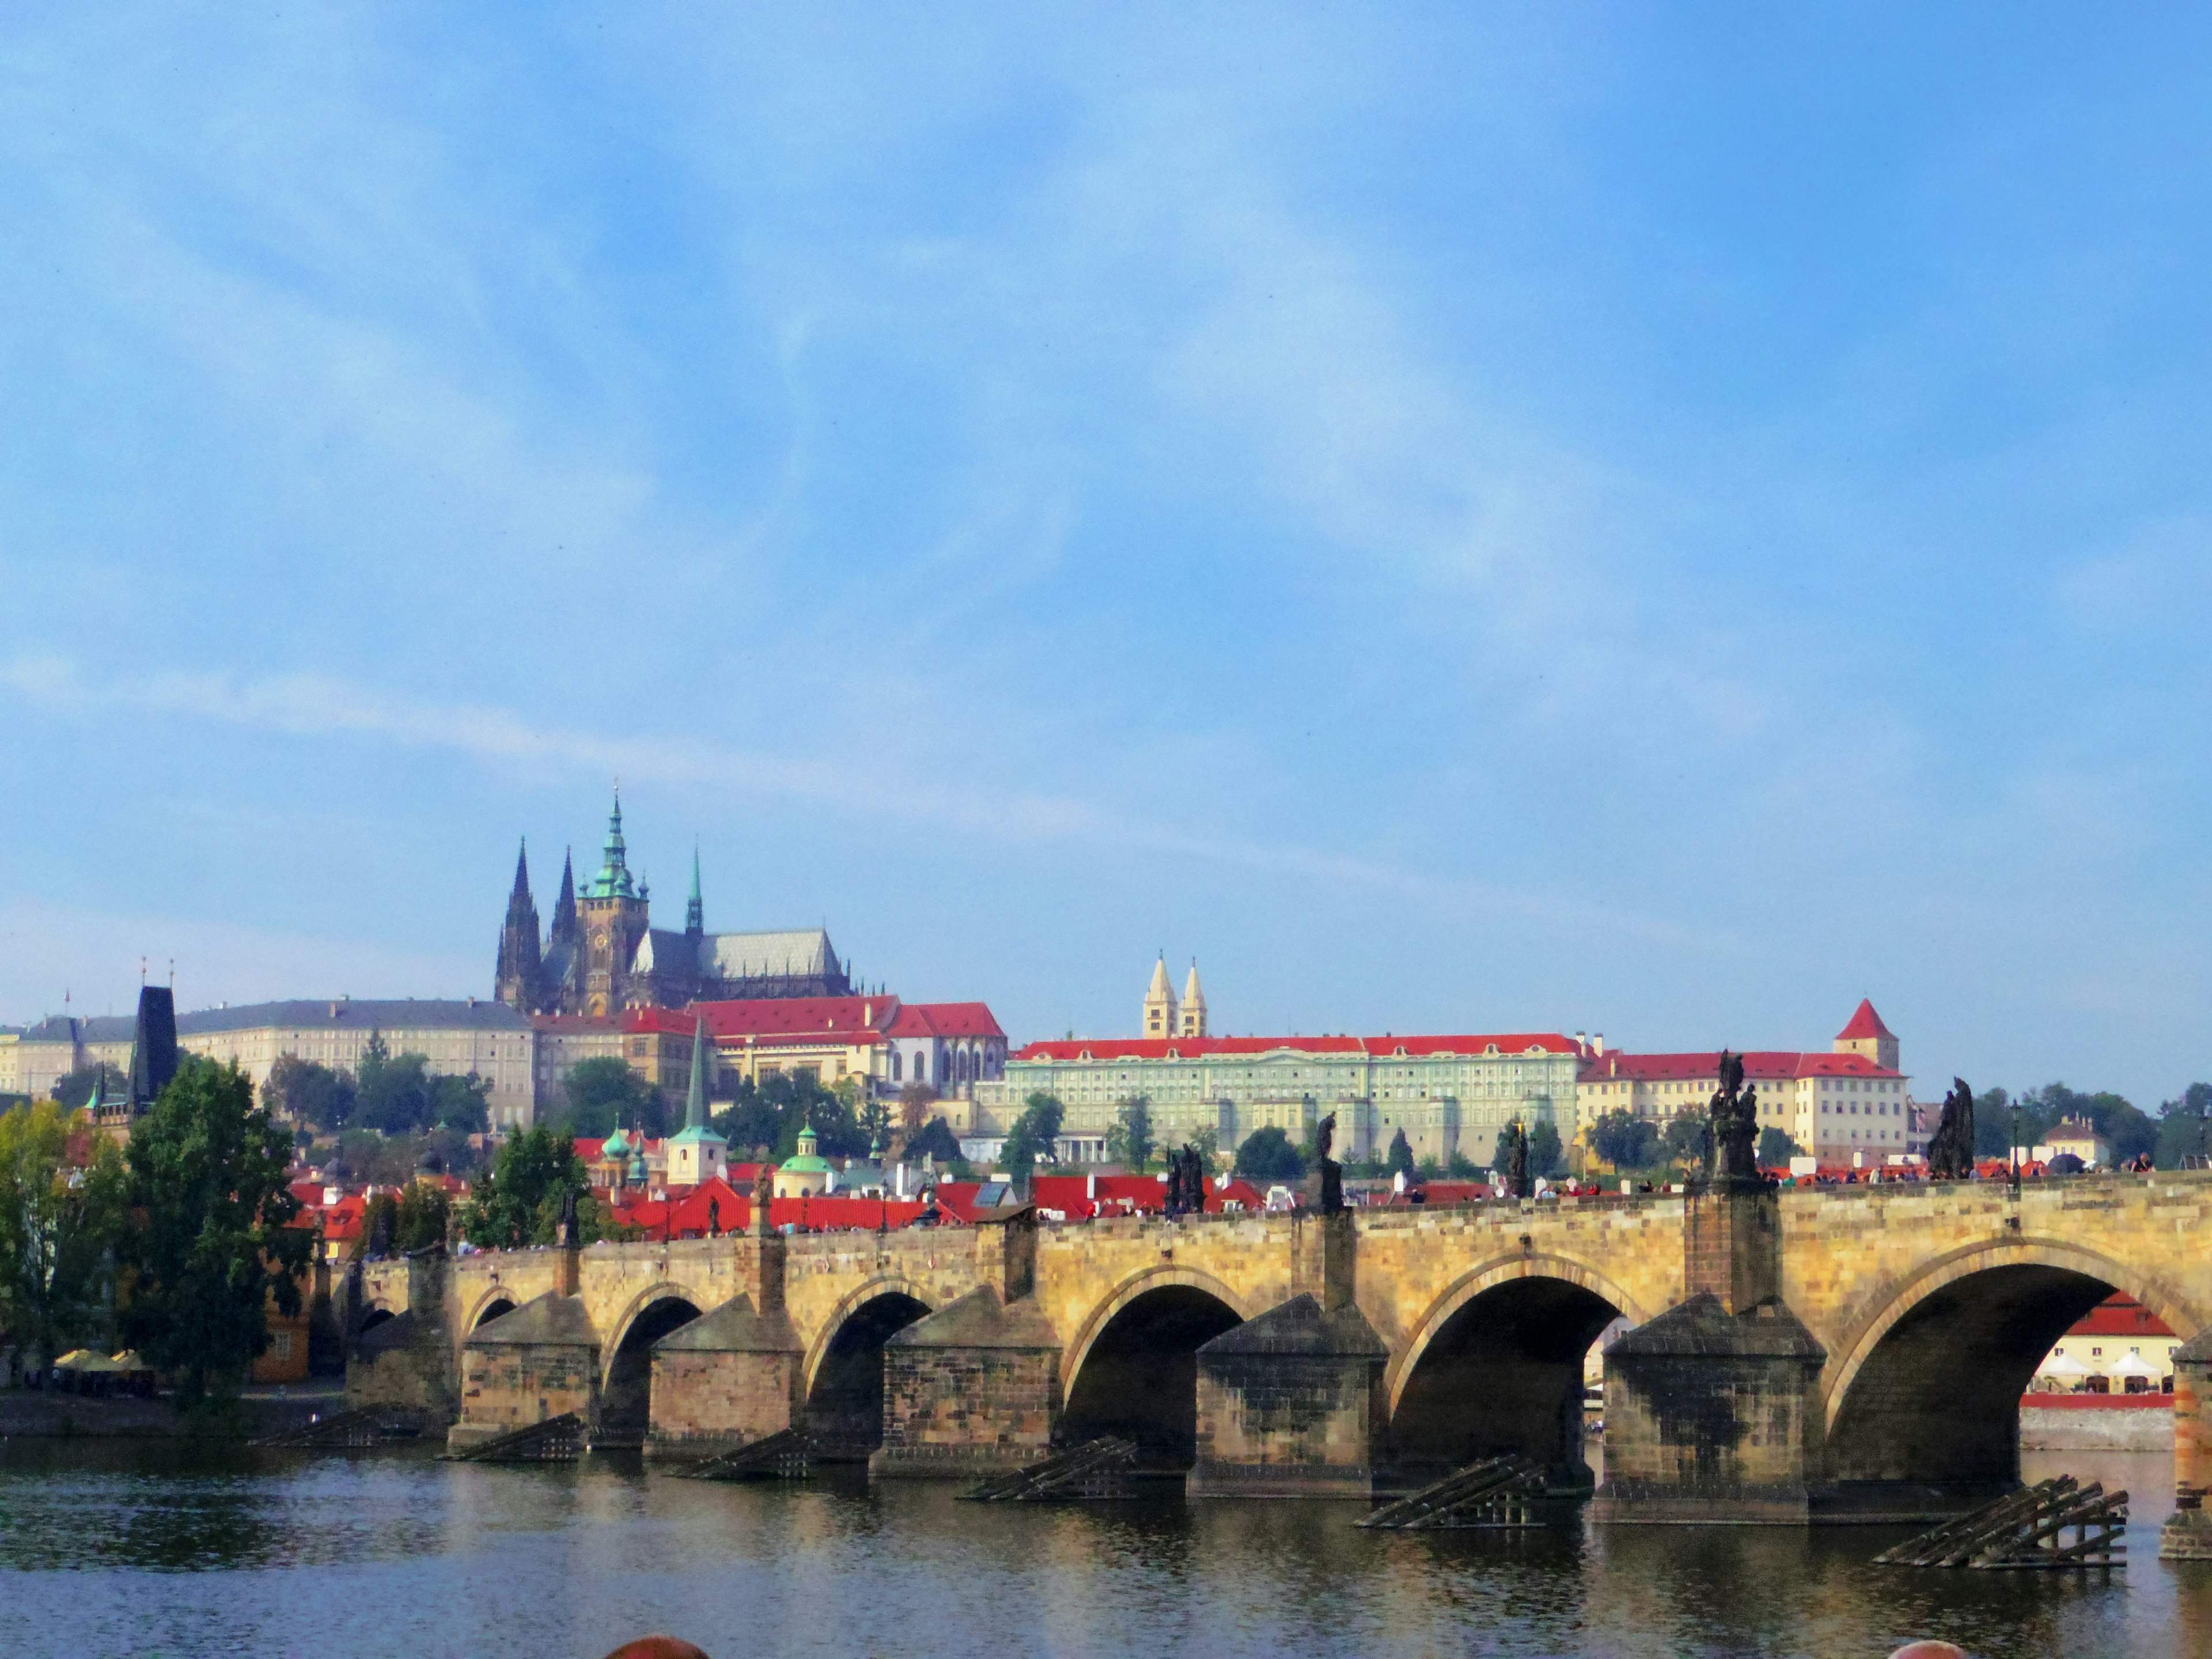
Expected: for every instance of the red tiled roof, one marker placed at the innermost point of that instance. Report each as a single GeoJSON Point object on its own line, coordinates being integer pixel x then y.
{"type": "Point", "coordinates": [1760, 1066]}
{"type": "Point", "coordinates": [944, 1019]}
{"type": "Point", "coordinates": [771, 1020]}
{"type": "Point", "coordinates": [2120, 1315]}
{"type": "Point", "coordinates": [1381, 1048]}
{"type": "Point", "coordinates": [686, 1216]}
{"type": "Point", "coordinates": [1865, 1023]}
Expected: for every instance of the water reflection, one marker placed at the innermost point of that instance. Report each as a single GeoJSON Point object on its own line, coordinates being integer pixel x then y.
{"type": "Point", "coordinates": [156, 1548]}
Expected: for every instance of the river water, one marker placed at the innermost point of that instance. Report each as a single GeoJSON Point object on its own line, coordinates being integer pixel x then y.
{"type": "Point", "coordinates": [154, 1548]}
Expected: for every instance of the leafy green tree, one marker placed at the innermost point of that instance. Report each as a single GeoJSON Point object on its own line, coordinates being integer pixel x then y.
{"type": "Point", "coordinates": [1776, 1148]}
{"type": "Point", "coordinates": [874, 1120]}
{"type": "Point", "coordinates": [1033, 1138]}
{"type": "Point", "coordinates": [379, 1227]}
{"type": "Point", "coordinates": [74, 1088]}
{"type": "Point", "coordinates": [1546, 1155]}
{"type": "Point", "coordinates": [772, 1113]}
{"type": "Point", "coordinates": [1687, 1139]}
{"type": "Point", "coordinates": [1993, 1124]}
{"type": "Point", "coordinates": [1207, 1142]}
{"type": "Point", "coordinates": [1267, 1155]}
{"type": "Point", "coordinates": [1624, 1140]}
{"type": "Point", "coordinates": [393, 1092]}
{"type": "Point", "coordinates": [1129, 1142]}
{"type": "Point", "coordinates": [59, 1224]}
{"type": "Point", "coordinates": [421, 1222]}
{"type": "Point", "coordinates": [510, 1209]}
{"type": "Point", "coordinates": [604, 1094]}
{"type": "Point", "coordinates": [302, 1091]}
{"type": "Point", "coordinates": [366, 1155]}
{"type": "Point", "coordinates": [1460, 1167]}
{"type": "Point", "coordinates": [2185, 1126]}
{"type": "Point", "coordinates": [1399, 1159]}
{"type": "Point", "coordinates": [462, 1103]}
{"type": "Point", "coordinates": [936, 1139]}
{"type": "Point", "coordinates": [214, 1244]}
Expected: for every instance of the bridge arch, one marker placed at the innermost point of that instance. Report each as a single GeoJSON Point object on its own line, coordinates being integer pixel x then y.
{"type": "Point", "coordinates": [1925, 1385]}
{"type": "Point", "coordinates": [494, 1302]}
{"type": "Point", "coordinates": [1133, 1368]}
{"type": "Point", "coordinates": [626, 1362]}
{"type": "Point", "coordinates": [841, 1378]}
{"type": "Point", "coordinates": [1495, 1365]}
{"type": "Point", "coordinates": [1486, 1276]}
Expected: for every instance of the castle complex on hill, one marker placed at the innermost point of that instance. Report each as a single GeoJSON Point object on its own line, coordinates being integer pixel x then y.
{"type": "Point", "coordinates": [603, 954]}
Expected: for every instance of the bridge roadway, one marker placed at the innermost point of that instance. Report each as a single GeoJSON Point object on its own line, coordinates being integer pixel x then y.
{"type": "Point", "coordinates": [1927, 1307]}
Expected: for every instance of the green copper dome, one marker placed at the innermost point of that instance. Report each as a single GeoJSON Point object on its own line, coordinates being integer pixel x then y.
{"type": "Point", "coordinates": [613, 880]}
{"type": "Point", "coordinates": [806, 1162]}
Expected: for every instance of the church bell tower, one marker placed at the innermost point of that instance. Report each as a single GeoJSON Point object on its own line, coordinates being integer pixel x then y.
{"type": "Point", "coordinates": [612, 914]}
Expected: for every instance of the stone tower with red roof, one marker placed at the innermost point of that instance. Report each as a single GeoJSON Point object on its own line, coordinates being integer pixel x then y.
{"type": "Point", "coordinates": [1866, 1034]}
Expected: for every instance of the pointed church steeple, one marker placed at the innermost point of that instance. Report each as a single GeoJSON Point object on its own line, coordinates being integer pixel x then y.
{"type": "Point", "coordinates": [695, 1103]}
{"type": "Point", "coordinates": [1160, 1003]}
{"type": "Point", "coordinates": [614, 879]}
{"type": "Point", "coordinates": [515, 981]}
{"type": "Point", "coordinates": [564, 909]}
{"type": "Point", "coordinates": [1192, 1020]}
{"type": "Point", "coordinates": [695, 912]}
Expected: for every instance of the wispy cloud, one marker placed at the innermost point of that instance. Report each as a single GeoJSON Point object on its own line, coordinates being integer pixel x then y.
{"type": "Point", "coordinates": [316, 706]}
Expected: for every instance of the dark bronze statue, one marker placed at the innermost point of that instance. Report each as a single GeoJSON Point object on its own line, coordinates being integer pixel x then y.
{"type": "Point", "coordinates": [713, 1216]}
{"type": "Point", "coordinates": [1186, 1194]}
{"type": "Point", "coordinates": [571, 1237]}
{"type": "Point", "coordinates": [1327, 1181]}
{"type": "Point", "coordinates": [1951, 1148]}
{"type": "Point", "coordinates": [1734, 1118]}
{"type": "Point", "coordinates": [1512, 1157]}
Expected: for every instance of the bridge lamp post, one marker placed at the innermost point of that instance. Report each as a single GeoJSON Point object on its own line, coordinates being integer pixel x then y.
{"type": "Point", "coordinates": [2015, 1148]}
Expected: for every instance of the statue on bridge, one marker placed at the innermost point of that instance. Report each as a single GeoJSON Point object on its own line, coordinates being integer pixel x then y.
{"type": "Point", "coordinates": [1734, 1143]}
{"type": "Point", "coordinates": [1325, 1183]}
{"type": "Point", "coordinates": [1512, 1157]}
{"type": "Point", "coordinates": [1951, 1148]}
{"type": "Point", "coordinates": [1185, 1182]}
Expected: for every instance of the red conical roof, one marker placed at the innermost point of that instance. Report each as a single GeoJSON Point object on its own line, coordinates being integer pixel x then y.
{"type": "Point", "coordinates": [1865, 1024]}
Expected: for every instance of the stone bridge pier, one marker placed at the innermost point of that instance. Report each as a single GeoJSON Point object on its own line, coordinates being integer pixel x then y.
{"type": "Point", "coordinates": [1792, 1356]}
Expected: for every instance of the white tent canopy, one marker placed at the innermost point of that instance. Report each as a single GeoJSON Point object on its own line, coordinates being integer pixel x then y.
{"type": "Point", "coordinates": [2062, 1364]}
{"type": "Point", "coordinates": [2135, 1366]}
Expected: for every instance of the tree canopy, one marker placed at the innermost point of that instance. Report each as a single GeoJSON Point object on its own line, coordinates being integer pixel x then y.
{"type": "Point", "coordinates": [60, 1218]}
{"type": "Point", "coordinates": [771, 1113]}
{"type": "Point", "coordinates": [519, 1203]}
{"type": "Point", "coordinates": [1546, 1155]}
{"type": "Point", "coordinates": [1268, 1154]}
{"type": "Point", "coordinates": [936, 1139]}
{"type": "Point", "coordinates": [604, 1094]}
{"type": "Point", "coordinates": [1399, 1161]}
{"type": "Point", "coordinates": [1624, 1140]}
{"type": "Point", "coordinates": [307, 1091]}
{"type": "Point", "coordinates": [1034, 1137]}
{"type": "Point", "coordinates": [215, 1242]}
{"type": "Point", "coordinates": [1129, 1142]}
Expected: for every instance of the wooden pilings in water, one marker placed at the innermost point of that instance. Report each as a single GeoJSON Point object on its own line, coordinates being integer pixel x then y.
{"type": "Point", "coordinates": [2027, 1529]}
{"type": "Point", "coordinates": [1095, 1469]}
{"type": "Point", "coordinates": [1498, 1491]}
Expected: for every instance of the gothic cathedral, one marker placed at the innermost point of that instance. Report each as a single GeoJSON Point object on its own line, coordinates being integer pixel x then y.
{"type": "Point", "coordinates": [602, 953]}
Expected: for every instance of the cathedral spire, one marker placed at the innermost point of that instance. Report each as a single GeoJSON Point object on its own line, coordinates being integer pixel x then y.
{"type": "Point", "coordinates": [695, 912]}
{"type": "Point", "coordinates": [614, 879]}
{"type": "Point", "coordinates": [695, 1107]}
{"type": "Point", "coordinates": [514, 981]}
{"type": "Point", "coordinates": [564, 909]}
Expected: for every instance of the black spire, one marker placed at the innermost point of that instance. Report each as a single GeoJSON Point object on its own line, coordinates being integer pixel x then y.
{"type": "Point", "coordinates": [564, 909]}
{"type": "Point", "coordinates": [515, 982]}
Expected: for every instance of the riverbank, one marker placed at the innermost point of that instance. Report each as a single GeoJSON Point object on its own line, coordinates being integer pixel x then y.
{"type": "Point", "coordinates": [52, 1414]}
{"type": "Point", "coordinates": [2096, 1422]}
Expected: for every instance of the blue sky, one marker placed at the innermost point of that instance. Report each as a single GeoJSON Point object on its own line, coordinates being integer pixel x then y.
{"type": "Point", "coordinates": [1652, 520]}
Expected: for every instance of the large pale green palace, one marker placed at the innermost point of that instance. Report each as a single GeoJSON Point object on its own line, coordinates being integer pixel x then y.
{"type": "Point", "coordinates": [1449, 1094]}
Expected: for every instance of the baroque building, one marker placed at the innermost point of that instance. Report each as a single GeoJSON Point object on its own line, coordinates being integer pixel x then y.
{"type": "Point", "coordinates": [602, 954]}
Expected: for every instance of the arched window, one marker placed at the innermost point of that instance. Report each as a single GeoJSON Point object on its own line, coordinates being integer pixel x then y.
{"type": "Point", "coordinates": [895, 1065]}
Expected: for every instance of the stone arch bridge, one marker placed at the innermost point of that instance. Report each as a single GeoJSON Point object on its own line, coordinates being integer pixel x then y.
{"type": "Point", "coordinates": [1857, 1350]}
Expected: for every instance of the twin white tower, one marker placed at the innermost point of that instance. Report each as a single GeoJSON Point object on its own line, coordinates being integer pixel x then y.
{"type": "Point", "coordinates": [1164, 1016]}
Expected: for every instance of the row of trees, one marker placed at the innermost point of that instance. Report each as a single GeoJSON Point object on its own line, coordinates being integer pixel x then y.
{"type": "Point", "coordinates": [174, 1246]}
{"type": "Point", "coordinates": [392, 1094]}
{"type": "Point", "coordinates": [2179, 1130]}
